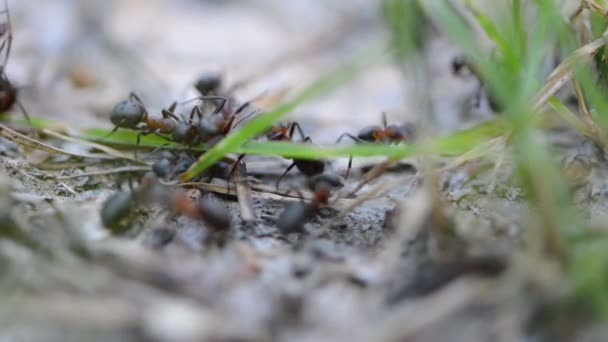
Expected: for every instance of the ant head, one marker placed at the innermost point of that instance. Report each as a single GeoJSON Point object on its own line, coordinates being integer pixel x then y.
{"type": "Point", "coordinates": [128, 113]}
{"type": "Point", "coordinates": [208, 83]}
{"type": "Point", "coordinates": [324, 182]}
{"type": "Point", "coordinates": [368, 133]}
{"type": "Point", "coordinates": [207, 128]}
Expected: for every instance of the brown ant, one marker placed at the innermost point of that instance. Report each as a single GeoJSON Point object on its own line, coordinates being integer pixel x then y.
{"type": "Point", "coordinates": [284, 132]}
{"type": "Point", "coordinates": [385, 134]}
{"type": "Point", "coordinates": [120, 206]}
{"type": "Point", "coordinates": [8, 92]}
{"type": "Point", "coordinates": [460, 63]}
{"type": "Point", "coordinates": [132, 113]}
{"type": "Point", "coordinates": [293, 218]}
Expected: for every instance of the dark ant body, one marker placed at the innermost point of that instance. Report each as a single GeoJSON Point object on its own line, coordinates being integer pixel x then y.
{"type": "Point", "coordinates": [385, 134]}
{"type": "Point", "coordinates": [460, 63]}
{"type": "Point", "coordinates": [293, 218]}
{"type": "Point", "coordinates": [8, 92]}
{"type": "Point", "coordinates": [120, 206]}
{"type": "Point", "coordinates": [132, 114]}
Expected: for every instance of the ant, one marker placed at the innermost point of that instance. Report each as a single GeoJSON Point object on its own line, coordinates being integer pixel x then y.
{"type": "Point", "coordinates": [293, 218]}
{"type": "Point", "coordinates": [8, 92]}
{"type": "Point", "coordinates": [459, 63]}
{"type": "Point", "coordinates": [132, 113]}
{"type": "Point", "coordinates": [385, 133]}
{"type": "Point", "coordinates": [120, 206]}
{"type": "Point", "coordinates": [284, 132]}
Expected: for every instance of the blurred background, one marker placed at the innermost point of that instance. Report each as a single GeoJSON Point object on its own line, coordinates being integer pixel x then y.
{"type": "Point", "coordinates": [76, 59]}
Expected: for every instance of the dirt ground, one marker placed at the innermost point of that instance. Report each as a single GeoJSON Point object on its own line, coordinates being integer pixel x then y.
{"type": "Point", "coordinates": [394, 263]}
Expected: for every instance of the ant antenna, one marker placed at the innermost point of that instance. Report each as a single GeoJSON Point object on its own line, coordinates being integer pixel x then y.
{"type": "Point", "coordinates": [244, 118]}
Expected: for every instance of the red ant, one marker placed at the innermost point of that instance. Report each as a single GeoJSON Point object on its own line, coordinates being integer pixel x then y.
{"type": "Point", "coordinates": [8, 92]}
{"type": "Point", "coordinates": [284, 132]}
{"type": "Point", "coordinates": [132, 113]}
{"type": "Point", "coordinates": [385, 133]}
{"type": "Point", "coordinates": [293, 218]}
{"type": "Point", "coordinates": [120, 206]}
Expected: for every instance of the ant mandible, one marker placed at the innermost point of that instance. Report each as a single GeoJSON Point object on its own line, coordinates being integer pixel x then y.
{"type": "Point", "coordinates": [385, 133]}
{"type": "Point", "coordinates": [293, 218]}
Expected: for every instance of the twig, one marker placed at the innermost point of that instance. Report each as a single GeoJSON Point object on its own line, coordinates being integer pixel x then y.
{"type": "Point", "coordinates": [108, 171]}
{"type": "Point", "coordinates": [35, 144]}
{"type": "Point", "coordinates": [103, 148]}
{"type": "Point", "coordinates": [243, 191]}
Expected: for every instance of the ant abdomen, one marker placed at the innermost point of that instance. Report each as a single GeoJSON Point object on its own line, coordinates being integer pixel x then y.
{"type": "Point", "coordinates": [128, 114]}
{"type": "Point", "coordinates": [368, 134]}
{"type": "Point", "coordinates": [310, 167]}
{"type": "Point", "coordinates": [116, 209]}
{"type": "Point", "coordinates": [215, 214]}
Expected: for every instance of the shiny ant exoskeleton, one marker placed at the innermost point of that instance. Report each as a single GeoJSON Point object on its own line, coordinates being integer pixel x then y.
{"type": "Point", "coordinates": [293, 218]}
{"type": "Point", "coordinates": [8, 92]}
{"type": "Point", "coordinates": [385, 134]}
{"type": "Point", "coordinates": [119, 207]}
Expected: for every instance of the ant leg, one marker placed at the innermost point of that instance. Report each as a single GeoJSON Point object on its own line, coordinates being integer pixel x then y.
{"type": "Point", "coordinates": [384, 120]}
{"type": "Point", "coordinates": [232, 169]}
{"type": "Point", "coordinates": [352, 137]}
{"type": "Point", "coordinates": [27, 117]}
{"type": "Point", "coordinates": [157, 149]}
{"type": "Point", "coordinates": [350, 159]}
{"type": "Point", "coordinates": [112, 132]}
{"type": "Point", "coordinates": [306, 139]}
{"type": "Point", "coordinates": [244, 118]}
{"type": "Point", "coordinates": [132, 95]}
{"type": "Point", "coordinates": [242, 107]}
{"type": "Point", "coordinates": [172, 107]}
{"type": "Point", "coordinates": [169, 114]}
{"type": "Point", "coordinates": [293, 126]}
{"type": "Point", "coordinates": [196, 111]}
{"type": "Point", "coordinates": [350, 165]}
{"type": "Point", "coordinates": [284, 174]}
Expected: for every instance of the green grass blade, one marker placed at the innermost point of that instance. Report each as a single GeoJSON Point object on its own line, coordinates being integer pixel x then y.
{"type": "Point", "coordinates": [261, 123]}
